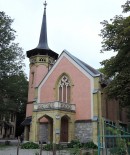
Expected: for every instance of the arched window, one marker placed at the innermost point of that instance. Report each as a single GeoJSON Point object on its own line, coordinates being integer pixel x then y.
{"type": "Point", "coordinates": [64, 89]}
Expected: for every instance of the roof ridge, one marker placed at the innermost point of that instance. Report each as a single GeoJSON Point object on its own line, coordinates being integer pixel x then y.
{"type": "Point", "coordinates": [92, 71]}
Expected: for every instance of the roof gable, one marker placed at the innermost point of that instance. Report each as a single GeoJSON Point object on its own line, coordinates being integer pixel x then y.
{"type": "Point", "coordinates": [90, 70]}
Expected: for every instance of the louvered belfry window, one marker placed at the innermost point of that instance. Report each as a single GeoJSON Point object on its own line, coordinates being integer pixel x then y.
{"type": "Point", "coordinates": [64, 89]}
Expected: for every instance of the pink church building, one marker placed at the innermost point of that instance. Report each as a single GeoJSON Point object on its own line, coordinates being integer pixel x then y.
{"type": "Point", "coordinates": [65, 96]}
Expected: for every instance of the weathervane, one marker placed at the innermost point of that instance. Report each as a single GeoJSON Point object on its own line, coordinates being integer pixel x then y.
{"type": "Point", "coordinates": [45, 4]}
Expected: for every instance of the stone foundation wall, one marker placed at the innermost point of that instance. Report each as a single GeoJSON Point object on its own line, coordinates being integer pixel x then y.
{"type": "Point", "coordinates": [83, 131]}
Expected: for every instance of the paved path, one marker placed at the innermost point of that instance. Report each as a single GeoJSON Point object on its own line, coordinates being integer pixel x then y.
{"type": "Point", "coordinates": [12, 150]}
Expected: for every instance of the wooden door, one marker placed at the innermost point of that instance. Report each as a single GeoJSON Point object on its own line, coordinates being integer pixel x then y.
{"type": "Point", "coordinates": [64, 130]}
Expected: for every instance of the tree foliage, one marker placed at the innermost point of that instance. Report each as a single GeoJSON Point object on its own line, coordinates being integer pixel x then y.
{"type": "Point", "coordinates": [116, 38]}
{"type": "Point", "coordinates": [13, 81]}
{"type": "Point", "coordinates": [11, 55]}
{"type": "Point", "coordinates": [15, 93]}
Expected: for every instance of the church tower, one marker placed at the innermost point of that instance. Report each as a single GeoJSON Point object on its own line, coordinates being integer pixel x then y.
{"type": "Point", "coordinates": [41, 60]}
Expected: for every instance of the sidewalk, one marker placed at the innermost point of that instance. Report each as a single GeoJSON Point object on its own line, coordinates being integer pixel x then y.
{"type": "Point", "coordinates": [12, 150]}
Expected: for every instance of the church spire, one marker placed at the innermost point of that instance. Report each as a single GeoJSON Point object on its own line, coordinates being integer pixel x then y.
{"type": "Point", "coordinates": [43, 48]}
{"type": "Point", "coordinates": [43, 44]}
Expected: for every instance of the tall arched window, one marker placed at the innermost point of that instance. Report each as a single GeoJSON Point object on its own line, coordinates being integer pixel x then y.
{"type": "Point", "coordinates": [64, 89]}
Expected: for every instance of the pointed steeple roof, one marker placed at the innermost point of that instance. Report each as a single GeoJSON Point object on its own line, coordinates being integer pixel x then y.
{"type": "Point", "coordinates": [43, 48]}
{"type": "Point", "coordinates": [43, 44]}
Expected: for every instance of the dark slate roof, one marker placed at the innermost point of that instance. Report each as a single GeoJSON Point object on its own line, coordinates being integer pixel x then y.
{"type": "Point", "coordinates": [38, 51]}
{"type": "Point", "coordinates": [42, 48]}
{"type": "Point", "coordinates": [27, 121]}
{"type": "Point", "coordinates": [43, 44]}
{"type": "Point", "coordinates": [93, 72]}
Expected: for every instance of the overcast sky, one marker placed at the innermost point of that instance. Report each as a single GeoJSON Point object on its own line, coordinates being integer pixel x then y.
{"type": "Point", "coordinates": [73, 25]}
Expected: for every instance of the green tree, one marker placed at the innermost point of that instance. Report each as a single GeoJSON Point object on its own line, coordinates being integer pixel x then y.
{"type": "Point", "coordinates": [11, 57]}
{"type": "Point", "coordinates": [116, 38]}
{"type": "Point", "coordinates": [16, 87]}
{"type": "Point", "coordinates": [102, 70]}
{"type": "Point", "coordinates": [13, 81]}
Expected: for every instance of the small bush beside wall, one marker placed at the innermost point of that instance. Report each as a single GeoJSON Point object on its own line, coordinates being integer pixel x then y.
{"type": "Point", "coordinates": [29, 145]}
{"type": "Point", "coordinates": [49, 147]}
{"type": "Point", "coordinates": [74, 143]}
{"type": "Point", "coordinates": [90, 145]}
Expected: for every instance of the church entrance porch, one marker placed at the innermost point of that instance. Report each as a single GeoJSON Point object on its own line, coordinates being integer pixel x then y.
{"type": "Point", "coordinates": [46, 129]}
{"type": "Point", "coordinates": [52, 125]}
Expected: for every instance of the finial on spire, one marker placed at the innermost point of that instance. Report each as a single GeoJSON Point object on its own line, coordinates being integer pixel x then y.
{"type": "Point", "coordinates": [45, 4]}
{"type": "Point", "coordinates": [42, 48]}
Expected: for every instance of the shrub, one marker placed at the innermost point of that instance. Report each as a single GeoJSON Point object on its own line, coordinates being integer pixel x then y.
{"type": "Point", "coordinates": [74, 151]}
{"type": "Point", "coordinates": [59, 147]}
{"type": "Point", "coordinates": [90, 145]}
{"type": "Point", "coordinates": [118, 150]}
{"type": "Point", "coordinates": [29, 145]}
{"type": "Point", "coordinates": [74, 143]}
{"type": "Point", "coordinates": [48, 147]}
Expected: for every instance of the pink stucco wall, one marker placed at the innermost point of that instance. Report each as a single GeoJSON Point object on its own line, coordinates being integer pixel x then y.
{"type": "Point", "coordinates": [29, 110]}
{"type": "Point", "coordinates": [80, 92]}
{"type": "Point", "coordinates": [39, 72]}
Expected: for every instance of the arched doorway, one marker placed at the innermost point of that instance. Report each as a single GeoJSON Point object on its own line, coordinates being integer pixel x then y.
{"type": "Point", "coordinates": [46, 129]}
{"type": "Point", "coordinates": [64, 129]}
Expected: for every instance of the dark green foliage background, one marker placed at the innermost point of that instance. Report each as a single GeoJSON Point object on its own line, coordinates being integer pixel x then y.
{"type": "Point", "coordinates": [116, 37]}
{"type": "Point", "coordinates": [13, 81]}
